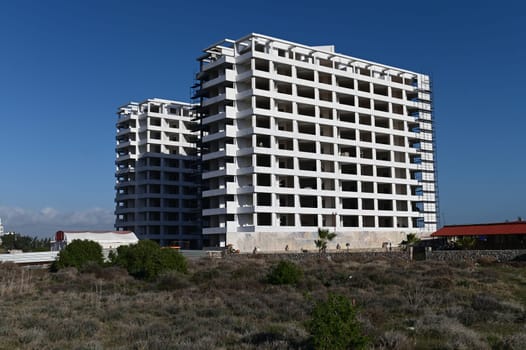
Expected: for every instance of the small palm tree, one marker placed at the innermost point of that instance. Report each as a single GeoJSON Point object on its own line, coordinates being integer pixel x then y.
{"type": "Point", "coordinates": [466, 243]}
{"type": "Point", "coordinates": [411, 240]}
{"type": "Point", "coordinates": [324, 236]}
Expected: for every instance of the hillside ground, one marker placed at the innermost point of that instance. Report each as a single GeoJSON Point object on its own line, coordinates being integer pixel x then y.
{"type": "Point", "coordinates": [228, 304]}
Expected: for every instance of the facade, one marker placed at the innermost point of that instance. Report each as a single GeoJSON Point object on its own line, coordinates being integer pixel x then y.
{"type": "Point", "coordinates": [156, 172]}
{"type": "Point", "coordinates": [297, 137]}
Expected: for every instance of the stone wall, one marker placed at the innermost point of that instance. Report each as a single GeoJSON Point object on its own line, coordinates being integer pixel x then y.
{"type": "Point", "coordinates": [361, 256]}
{"type": "Point", "coordinates": [474, 255]}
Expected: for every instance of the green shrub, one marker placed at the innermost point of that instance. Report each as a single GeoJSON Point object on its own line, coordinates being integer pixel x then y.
{"type": "Point", "coordinates": [334, 326]}
{"type": "Point", "coordinates": [78, 254]}
{"type": "Point", "coordinates": [285, 272]}
{"type": "Point", "coordinates": [146, 260]}
{"type": "Point", "coordinates": [466, 243]}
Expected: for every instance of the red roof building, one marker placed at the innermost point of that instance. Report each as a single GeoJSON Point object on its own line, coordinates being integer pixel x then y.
{"type": "Point", "coordinates": [500, 228]}
{"type": "Point", "coordinates": [501, 235]}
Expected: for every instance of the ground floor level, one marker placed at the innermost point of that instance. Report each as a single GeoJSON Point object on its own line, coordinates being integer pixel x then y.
{"type": "Point", "coordinates": [304, 240]}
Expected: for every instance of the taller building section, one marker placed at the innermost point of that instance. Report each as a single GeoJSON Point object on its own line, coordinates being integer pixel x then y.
{"type": "Point", "coordinates": [157, 192]}
{"type": "Point", "coordinates": [296, 137]}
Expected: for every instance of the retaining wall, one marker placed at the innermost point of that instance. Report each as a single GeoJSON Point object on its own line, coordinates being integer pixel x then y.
{"type": "Point", "coordinates": [474, 255]}
{"type": "Point", "coordinates": [335, 256]}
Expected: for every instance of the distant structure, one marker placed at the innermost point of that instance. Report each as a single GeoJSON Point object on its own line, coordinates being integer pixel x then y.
{"type": "Point", "coordinates": [107, 239]}
{"type": "Point", "coordinates": [297, 137]}
{"type": "Point", "coordinates": [1, 228]}
{"type": "Point", "coordinates": [157, 173]}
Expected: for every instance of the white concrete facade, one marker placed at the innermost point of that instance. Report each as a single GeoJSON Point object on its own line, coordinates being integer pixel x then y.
{"type": "Point", "coordinates": [296, 137]}
{"type": "Point", "coordinates": [156, 172]}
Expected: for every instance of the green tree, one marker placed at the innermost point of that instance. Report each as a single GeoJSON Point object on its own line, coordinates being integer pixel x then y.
{"type": "Point", "coordinates": [324, 236]}
{"type": "Point", "coordinates": [78, 253]}
{"type": "Point", "coordinates": [411, 240]}
{"type": "Point", "coordinates": [24, 243]}
{"type": "Point", "coordinates": [333, 325]}
{"type": "Point", "coordinates": [146, 259]}
{"type": "Point", "coordinates": [285, 272]}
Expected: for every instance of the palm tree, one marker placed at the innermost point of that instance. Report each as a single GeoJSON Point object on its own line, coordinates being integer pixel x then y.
{"type": "Point", "coordinates": [324, 236]}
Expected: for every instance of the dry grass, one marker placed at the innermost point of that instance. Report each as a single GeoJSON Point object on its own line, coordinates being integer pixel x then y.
{"type": "Point", "coordinates": [227, 304]}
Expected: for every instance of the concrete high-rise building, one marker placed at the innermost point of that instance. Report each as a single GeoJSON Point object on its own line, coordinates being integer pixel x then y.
{"type": "Point", "coordinates": [298, 137]}
{"type": "Point", "coordinates": [157, 181]}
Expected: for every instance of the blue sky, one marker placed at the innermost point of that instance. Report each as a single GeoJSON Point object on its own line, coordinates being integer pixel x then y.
{"type": "Point", "coordinates": [65, 67]}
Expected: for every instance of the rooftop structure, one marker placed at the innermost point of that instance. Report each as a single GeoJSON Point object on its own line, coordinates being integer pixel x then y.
{"type": "Point", "coordinates": [296, 137]}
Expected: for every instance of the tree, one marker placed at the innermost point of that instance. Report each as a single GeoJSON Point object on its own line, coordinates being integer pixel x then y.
{"type": "Point", "coordinates": [334, 326]}
{"type": "Point", "coordinates": [78, 253]}
{"type": "Point", "coordinates": [146, 259]}
{"type": "Point", "coordinates": [285, 272]}
{"type": "Point", "coordinates": [24, 243]}
{"type": "Point", "coordinates": [411, 240]}
{"type": "Point", "coordinates": [324, 236]}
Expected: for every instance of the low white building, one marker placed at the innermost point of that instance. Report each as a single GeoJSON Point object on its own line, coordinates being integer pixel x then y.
{"type": "Point", "coordinates": [107, 239]}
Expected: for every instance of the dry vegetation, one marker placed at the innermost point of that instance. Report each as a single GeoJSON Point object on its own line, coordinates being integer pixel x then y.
{"type": "Point", "coordinates": [228, 304]}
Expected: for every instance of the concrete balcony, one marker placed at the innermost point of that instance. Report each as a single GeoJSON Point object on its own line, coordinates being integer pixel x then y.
{"type": "Point", "coordinates": [121, 197]}
{"type": "Point", "coordinates": [210, 65]}
{"type": "Point", "coordinates": [229, 131]}
{"type": "Point", "coordinates": [125, 131]}
{"type": "Point", "coordinates": [124, 210]}
{"type": "Point", "coordinates": [228, 151]}
{"type": "Point", "coordinates": [214, 192]}
{"type": "Point", "coordinates": [124, 171]}
{"type": "Point", "coordinates": [125, 144]}
{"type": "Point", "coordinates": [228, 76]}
{"type": "Point", "coordinates": [214, 117]}
{"type": "Point", "coordinates": [244, 76]}
{"type": "Point", "coordinates": [124, 157]}
{"type": "Point", "coordinates": [245, 94]}
{"type": "Point", "coordinates": [245, 113]}
{"type": "Point", "coordinates": [229, 94]}
{"type": "Point", "coordinates": [214, 230]}
{"type": "Point", "coordinates": [214, 211]}
{"type": "Point", "coordinates": [245, 189]}
{"type": "Point", "coordinates": [214, 173]}
{"type": "Point", "coordinates": [246, 209]}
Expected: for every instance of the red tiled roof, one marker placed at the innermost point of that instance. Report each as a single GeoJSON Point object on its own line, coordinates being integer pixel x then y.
{"type": "Point", "coordinates": [501, 228]}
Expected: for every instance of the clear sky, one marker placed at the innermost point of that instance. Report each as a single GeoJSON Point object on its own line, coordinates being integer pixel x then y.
{"type": "Point", "coordinates": [65, 67]}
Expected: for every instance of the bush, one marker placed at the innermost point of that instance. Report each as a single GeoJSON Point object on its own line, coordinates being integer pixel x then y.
{"type": "Point", "coordinates": [334, 325]}
{"type": "Point", "coordinates": [487, 260]}
{"type": "Point", "coordinates": [171, 280]}
{"type": "Point", "coordinates": [78, 254]}
{"type": "Point", "coordinates": [285, 272]}
{"type": "Point", "coordinates": [146, 260]}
